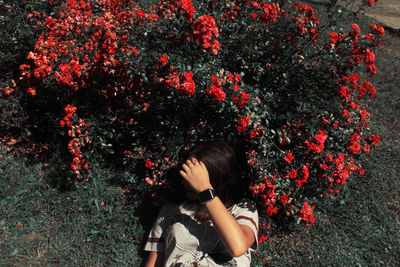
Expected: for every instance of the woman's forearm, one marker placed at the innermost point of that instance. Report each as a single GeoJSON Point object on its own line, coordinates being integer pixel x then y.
{"type": "Point", "coordinates": [155, 259]}
{"type": "Point", "coordinates": [236, 238]}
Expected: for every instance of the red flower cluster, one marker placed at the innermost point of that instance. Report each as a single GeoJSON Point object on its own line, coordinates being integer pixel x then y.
{"type": "Point", "coordinates": [355, 32]}
{"type": "Point", "coordinates": [305, 176]}
{"type": "Point", "coordinates": [377, 29]}
{"type": "Point", "coordinates": [266, 190]}
{"type": "Point", "coordinates": [268, 12]}
{"type": "Point", "coordinates": [187, 85]}
{"type": "Point", "coordinates": [67, 72]}
{"type": "Point", "coordinates": [243, 123]}
{"type": "Point", "coordinates": [183, 83]}
{"type": "Point", "coordinates": [319, 147]}
{"type": "Point", "coordinates": [289, 157]}
{"type": "Point", "coordinates": [335, 37]}
{"type": "Point", "coordinates": [187, 7]}
{"type": "Point", "coordinates": [79, 140]}
{"type": "Point", "coordinates": [203, 31]}
{"type": "Point", "coordinates": [354, 146]}
{"type": "Point", "coordinates": [304, 17]}
{"type": "Point", "coordinates": [216, 92]}
{"type": "Point", "coordinates": [164, 59]}
{"type": "Point", "coordinates": [306, 213]}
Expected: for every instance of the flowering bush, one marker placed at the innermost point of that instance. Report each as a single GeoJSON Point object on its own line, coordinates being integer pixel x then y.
{"type": "Point", "coordinates": [137, 86]}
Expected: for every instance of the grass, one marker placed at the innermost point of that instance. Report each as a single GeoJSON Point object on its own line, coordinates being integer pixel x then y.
{"type": "Point", "coordinates": [41, 226]}
{"type": "Point", "coordinates": [96, 225]}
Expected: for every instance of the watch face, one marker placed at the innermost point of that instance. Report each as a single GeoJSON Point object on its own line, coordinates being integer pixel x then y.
{"type": "Point", "coordinates": [206, 195]}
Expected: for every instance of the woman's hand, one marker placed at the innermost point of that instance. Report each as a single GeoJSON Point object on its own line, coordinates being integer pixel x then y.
{"type": "Point", "coordinates": [195, 173]}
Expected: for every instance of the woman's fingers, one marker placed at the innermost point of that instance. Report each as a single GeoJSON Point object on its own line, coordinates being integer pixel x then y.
{"type": "Point", "coordinates": [202, 164]}
{"type": "Point", "coordinates": [183, 174]}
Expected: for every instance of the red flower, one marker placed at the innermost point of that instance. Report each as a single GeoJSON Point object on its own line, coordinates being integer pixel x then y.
{"type": "Point", "coordinates": [262, 238]}
{"type": "Point", "coordinates": [289, 157]}
{"type": "Point", "coordinates": [329, 157]}
{"type": "Point", "coordinates": [148, 164]}
{"type": "Point", "coordinates": [31, 91]}
{"type": "Point", "coordinates": [245, 97]}
{"type": "Point", "coordinates": [187, 86]}
{"type": "Point", "coordinates": [70, 109]}
{"type": "Point", "coordinates": [243, 123]}
{"type": "Point", "coordinates": [164, 59]}
{"type": "Point", "coordinates": [353, 78]}
{"type": "Point", "coordinates": [293, 174]}
{"type": "Point", "coordinates": [345, 92]}
{"type": "Point", "coordinates": [321, 137]}
{"type": "Point", "coordinates": [334, 37]}
{"type": "Point", "coordinates": [317, 148]}
{"type": "Point", "coordinates": [355, 28]}
{"type": "Point", "coordinates": [187, 7]}
{"type": "Point", "coordinates": [271, 210]}
{"type": "Point", "coordinates": [370, 56]}
{"type": "Point", "coordinates": [377, 29]}
{"type": "Point", "coordinates": [371, 2]}
{"type": "Point", "coordinates": [284, 199]}
{"type": "Point", "coordinates": [217, 92]}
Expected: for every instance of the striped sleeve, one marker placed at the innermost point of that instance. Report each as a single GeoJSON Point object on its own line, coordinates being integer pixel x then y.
{"type": "Point", "coordinates": [155, 240]}
{"type": "Point", "coordinates": [246, 213]}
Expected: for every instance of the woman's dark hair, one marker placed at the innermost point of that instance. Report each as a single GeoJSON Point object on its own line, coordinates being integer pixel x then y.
{"type": "Point", "coordinates": [224, 170]}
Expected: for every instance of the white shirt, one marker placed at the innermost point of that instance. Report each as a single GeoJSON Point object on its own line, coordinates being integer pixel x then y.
{"type": "Point", "coordinates": [187, 242]}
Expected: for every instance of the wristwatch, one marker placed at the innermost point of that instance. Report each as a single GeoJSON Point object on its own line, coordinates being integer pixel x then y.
{"type": "Point", "coordinates": [206, 195]}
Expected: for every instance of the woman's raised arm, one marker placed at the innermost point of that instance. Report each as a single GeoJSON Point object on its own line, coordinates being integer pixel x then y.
{"type": "Point", "coordinates": [236, 238]}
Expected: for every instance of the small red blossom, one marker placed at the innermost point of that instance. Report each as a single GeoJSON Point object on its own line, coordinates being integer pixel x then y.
{"type": "Point", "coordinates": [289, 157]}
{"type": "Point", "coordinates": [371, 2]}
{"type": "Point", "coordinates": [334, 37]}
{"type": "Point", "coordinates": [245, 97]}
{"type": "Point", "coordinates": [149, 164]}
{"type": "Point", "coordinates": [31, 91]}
{"type": "Point", "coordinates": [262, 238]}
{"type": "Point", "coordinates": [164, 59]}
{"type": "Point", "coordinates": [292, 174]}
{"type": "Point", "coordinates": [243, 121]}
{"type": "Point", "coordinates": [284, 199]}
{"type": "Point", "coordinates": [69, 109]}
{"type": "Point", "coordinates": [271, 210]}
